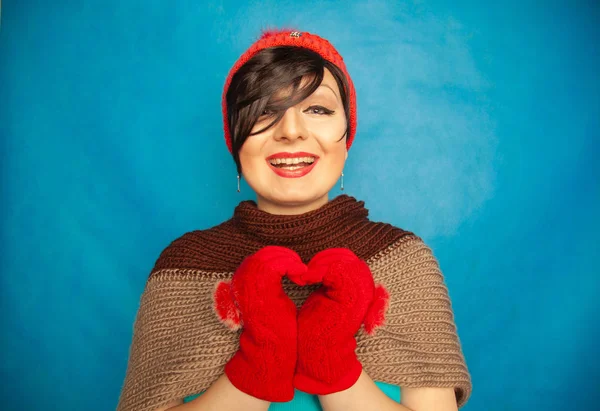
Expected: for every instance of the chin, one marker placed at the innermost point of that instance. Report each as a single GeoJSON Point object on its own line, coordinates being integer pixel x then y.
{"type": "Point", "coordinates": [298, 195]}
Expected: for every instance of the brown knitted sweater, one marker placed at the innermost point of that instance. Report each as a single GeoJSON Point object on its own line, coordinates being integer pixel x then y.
{"type": "Point", "coordinates": [180, 348]}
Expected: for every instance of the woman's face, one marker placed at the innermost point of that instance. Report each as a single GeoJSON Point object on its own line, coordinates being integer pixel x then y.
{"type": "Point", "coordinates": [293, 165]}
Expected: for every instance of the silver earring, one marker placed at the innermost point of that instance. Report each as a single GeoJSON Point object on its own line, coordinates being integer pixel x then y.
{"type": "Point", "coordinates": [238, 178]}
{"type": "Point", "coordinates": [342, 181]}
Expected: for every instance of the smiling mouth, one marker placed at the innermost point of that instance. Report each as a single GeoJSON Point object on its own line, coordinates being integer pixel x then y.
{"type": "Point", "coordinates": [292, 163]}
{"type": "Point", "coordinates": [292, 167]}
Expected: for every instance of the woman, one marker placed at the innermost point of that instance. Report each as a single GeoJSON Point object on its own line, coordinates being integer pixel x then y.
{"type": "Point", "coordinates": [294, 275]}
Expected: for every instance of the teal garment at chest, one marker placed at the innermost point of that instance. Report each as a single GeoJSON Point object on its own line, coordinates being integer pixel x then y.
{"type": "Point", "coordinates": [308, 402]}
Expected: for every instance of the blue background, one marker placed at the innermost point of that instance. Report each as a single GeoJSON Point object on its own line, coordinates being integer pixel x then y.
{"type": "Point", "coordinates": [478, 130]}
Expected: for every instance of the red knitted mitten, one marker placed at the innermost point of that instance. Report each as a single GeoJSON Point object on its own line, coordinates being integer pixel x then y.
{"type": "Point", "coordinates": [255, 301]}
{"type": "Point", "coordinates": [330, 318]}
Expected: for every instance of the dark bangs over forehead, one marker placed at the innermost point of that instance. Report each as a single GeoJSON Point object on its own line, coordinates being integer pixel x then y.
{"type": "Point", "coordinates": [272, 80]}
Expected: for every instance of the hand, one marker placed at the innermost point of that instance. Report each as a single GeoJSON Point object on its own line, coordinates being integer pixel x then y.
{"type": "Point", "coordinates": [254, 300]}
{"type": "Point", "coordinates": [330, 318]}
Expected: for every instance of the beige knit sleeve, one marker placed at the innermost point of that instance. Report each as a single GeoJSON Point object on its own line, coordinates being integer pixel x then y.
{"type": "Point", "coordinates": [179, 348]}
{"type": "Point", "coordinates": [419, 344]}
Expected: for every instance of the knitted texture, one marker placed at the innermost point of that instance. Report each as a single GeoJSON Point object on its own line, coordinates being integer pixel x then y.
{"type": "Point", "coordinates": [329, 320]}
{"type": "Point", "coordinates": [254, 299]}
{"type": "Point", "coordinates": [275, 38]}
{"type": "Point", "coordinates": [180, 347]}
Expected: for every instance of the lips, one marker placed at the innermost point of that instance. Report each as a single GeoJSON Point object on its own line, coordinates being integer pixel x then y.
{"type": "Point", "coordinates": [295, 173]}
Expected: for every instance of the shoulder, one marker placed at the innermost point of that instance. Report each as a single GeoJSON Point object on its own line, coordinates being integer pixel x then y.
{"type": "Point", "coordinates": [392, 244]}
{"type": "Point", "coordinates": [407, 261]}
{"type": "Point", "coordinates": [370, 238]}
{"type": "Point", "coordinates": [381, 238]}
{"type": "Point", "coordinates": [404, 245]}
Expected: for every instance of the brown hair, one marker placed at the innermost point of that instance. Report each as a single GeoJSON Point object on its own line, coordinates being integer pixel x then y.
{"type": "Point", "coordinates": [254, 85]}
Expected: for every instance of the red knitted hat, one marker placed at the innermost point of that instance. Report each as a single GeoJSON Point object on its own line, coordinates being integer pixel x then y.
{"type": "Point", "coordinates": [285, 37]}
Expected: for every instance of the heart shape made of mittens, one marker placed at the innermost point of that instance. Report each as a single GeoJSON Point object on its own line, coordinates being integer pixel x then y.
{"type": "Point", "coordinates": [301, 274]}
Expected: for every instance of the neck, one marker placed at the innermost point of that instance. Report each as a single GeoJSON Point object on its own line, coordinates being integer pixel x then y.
{"type": "Point", "coordinates": [291, 208]}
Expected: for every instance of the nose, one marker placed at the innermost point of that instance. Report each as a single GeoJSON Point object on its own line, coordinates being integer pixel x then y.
{"type": "Point", "coordinates": [291, 126]}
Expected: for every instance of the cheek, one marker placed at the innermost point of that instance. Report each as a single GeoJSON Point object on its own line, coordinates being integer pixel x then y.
{"type": "Point", "coordinates": [250, 154]}
{"type": "Point", "coordinates": [333, 140]}
{"type": "Point", "coordinates": [335, 155]}
{"type": "Point", "coordinates": [330, 132]}
{"type": "Point", "coordinates": [340, 156]}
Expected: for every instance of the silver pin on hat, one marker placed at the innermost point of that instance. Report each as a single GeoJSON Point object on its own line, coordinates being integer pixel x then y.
{"type": "Point", "coordinates": [295, 34]}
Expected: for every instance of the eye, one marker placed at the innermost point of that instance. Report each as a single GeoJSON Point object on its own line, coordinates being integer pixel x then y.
{"type": "Point", "coordinates": [319, 110]}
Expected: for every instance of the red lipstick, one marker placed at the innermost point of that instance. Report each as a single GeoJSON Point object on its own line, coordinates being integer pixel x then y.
{"type": "Point", "coordinates": [300, 172]}
{"type": "Point", "coordinates": [291, 155]}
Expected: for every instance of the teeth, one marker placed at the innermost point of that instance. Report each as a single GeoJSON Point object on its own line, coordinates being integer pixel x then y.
{"type": "Point", "coordinates": [292, 161]}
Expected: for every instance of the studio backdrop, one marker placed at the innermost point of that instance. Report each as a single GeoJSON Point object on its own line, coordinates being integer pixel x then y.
{"type": "Point", "coordinates": [477, 130]}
